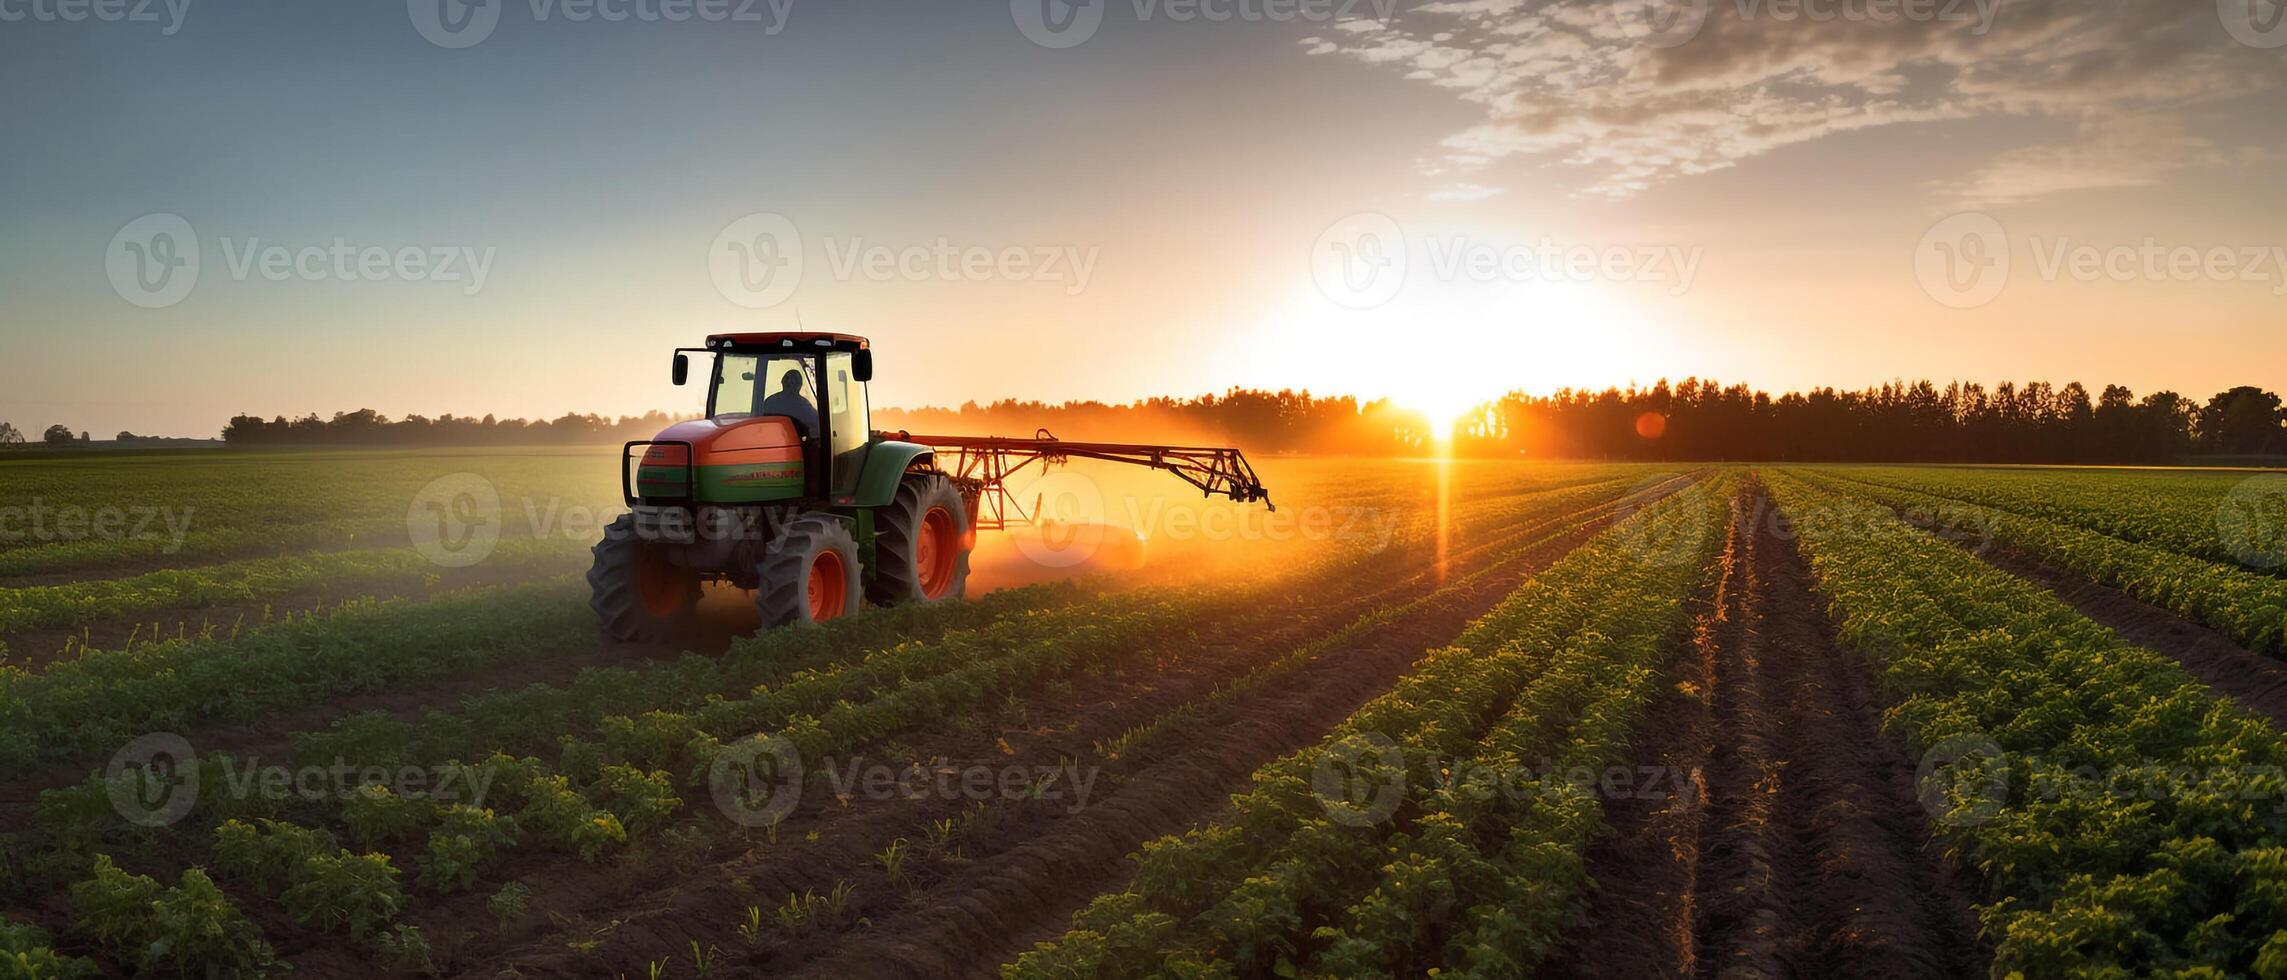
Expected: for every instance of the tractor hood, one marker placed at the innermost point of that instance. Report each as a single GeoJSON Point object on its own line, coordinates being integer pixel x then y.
{"type": "Point", "coordinates": [736, 460]}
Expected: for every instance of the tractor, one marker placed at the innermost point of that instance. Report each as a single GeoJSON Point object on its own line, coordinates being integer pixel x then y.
{"type": "Point", "coordinates": [785, 490]}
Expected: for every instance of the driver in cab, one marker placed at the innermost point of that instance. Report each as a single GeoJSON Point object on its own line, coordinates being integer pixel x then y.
{"type": "Point", "coordinates": [789, 402]}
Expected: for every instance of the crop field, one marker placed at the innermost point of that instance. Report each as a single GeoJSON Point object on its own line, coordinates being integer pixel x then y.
{"type": "Point", "coordinates": [347, 714]}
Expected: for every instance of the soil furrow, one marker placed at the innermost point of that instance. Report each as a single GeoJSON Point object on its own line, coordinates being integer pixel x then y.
{"type": "Point", "coordinates": [2256, 681]}
{"type": "Point", "coordinates": [1812, 857]}
{"type": "Point", "coordinates": [1028, 893]}
{"type": "Point", "coordinates": [1020, 880]}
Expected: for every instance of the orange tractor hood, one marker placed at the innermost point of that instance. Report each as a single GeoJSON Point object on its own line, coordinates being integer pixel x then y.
{"type": "Point", "coordinates": [736, 460]}
{"type": "Point", "coordinates": [755, 439]}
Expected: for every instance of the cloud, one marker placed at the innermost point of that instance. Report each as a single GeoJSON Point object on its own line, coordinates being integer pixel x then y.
{"type": "Point", "coordinates": [1465, 192]}
{"type": "Point", "coordinates": [1635, 98]}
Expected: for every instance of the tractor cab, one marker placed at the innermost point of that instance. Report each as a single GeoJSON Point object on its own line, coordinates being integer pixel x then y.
{"type": "Point", "coordinates": [787, 418]}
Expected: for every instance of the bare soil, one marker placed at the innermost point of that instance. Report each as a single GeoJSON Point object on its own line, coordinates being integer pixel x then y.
{"type": "Point", "coordinates": [1801, 850]}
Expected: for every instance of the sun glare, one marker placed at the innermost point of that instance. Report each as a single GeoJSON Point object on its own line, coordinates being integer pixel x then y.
{"type": "Point", "coordinates": [1444, 351]}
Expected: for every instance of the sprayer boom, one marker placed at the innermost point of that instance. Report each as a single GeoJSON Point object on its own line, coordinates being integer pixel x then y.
{"type": "Point", "coordinates": [983, 465]}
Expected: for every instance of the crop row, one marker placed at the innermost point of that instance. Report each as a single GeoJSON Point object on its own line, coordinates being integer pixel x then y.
{"type": "Point", "coordinates": [632, 774]}
{"type": "Point", "coordinates": [2249, 607]}
{"type": "Point", "coordinates": [256, 580]}
{"type": "Point", "coordinates": [2188, 513]}
{"type": "Point", "coordinates": [531, 718]}
{"type": "Point", "coordinates": [103, 699]}
{"type": "Point", "coordinates": [1338, 857]}
{"type": "Point", "coordinates": [77, 514]}
{"type": "Point", "coordinates": [2126, 821]}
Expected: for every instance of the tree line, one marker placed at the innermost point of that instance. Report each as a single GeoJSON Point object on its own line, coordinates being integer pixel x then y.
{"type": "Point", "coordinates": [1919, 421]}
{"type": "Point", "coordinates": [1899, 422]}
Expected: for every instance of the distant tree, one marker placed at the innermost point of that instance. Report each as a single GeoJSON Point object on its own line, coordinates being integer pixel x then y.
{"type": "Point", "coordinates": [9, 436]}
{"type": "Point", "coordinates": [84, 437]}
{"type": "Point", "coordinates": [57, 435]}
{"type": "Point", "coordinates": [2245, 419]}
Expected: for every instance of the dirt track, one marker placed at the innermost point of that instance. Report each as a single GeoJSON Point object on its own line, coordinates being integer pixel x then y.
{"type": "Point", "coordinates": [1805, 853]}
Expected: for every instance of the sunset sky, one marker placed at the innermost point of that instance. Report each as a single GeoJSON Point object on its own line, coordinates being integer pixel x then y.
{"type": "Point", "coordinates": [1302, 195]}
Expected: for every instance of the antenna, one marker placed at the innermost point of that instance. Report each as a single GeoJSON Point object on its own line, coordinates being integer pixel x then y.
{"type": "Point", "coordinates": [799, 328]}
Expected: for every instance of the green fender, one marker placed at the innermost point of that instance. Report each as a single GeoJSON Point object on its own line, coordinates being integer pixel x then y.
{"type": "Point", "coordinates": [886, 463]}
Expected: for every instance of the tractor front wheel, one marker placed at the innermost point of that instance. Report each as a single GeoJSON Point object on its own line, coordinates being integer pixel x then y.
{"type": "Point", "coordinates": [809, 573]}
{"type": "Point", "coordinates": [921, 542]}
{"type": "Point", "coordinates": [636, 591]}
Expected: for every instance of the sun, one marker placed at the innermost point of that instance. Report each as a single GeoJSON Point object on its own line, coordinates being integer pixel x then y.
{"type": "Point", "coordinates": [1444, 409]}
{"type": "Point", "coordinates": [1445, 350]}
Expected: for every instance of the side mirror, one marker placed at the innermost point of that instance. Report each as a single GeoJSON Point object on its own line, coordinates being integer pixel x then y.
{"type": "Point", "coordinates": [862, 365]}
{"type": "Point", "coordinates": [682, 371]}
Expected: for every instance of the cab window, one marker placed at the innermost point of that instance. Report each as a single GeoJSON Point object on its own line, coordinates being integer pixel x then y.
{"type": "Point", "coordinates": [849, 421]}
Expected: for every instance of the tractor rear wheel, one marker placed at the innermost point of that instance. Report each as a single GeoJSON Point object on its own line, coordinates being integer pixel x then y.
{"type": "Point", "coordinates": [808, 573]}
{"type": "Point", "coordinates": [635, 589]}
{"type": "Point", "coordinates": [921, 540]}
